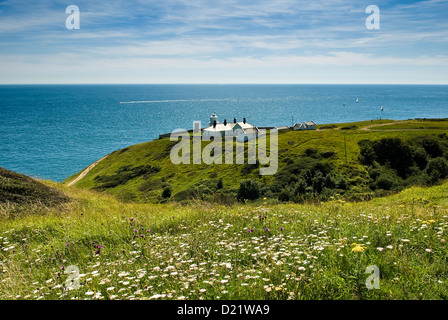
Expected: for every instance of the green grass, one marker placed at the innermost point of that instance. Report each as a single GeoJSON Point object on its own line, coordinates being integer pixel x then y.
{"type": "Point", "coordinates": [127, 247]}
{"type": "Point", "coordinates": [204, 251]}
{"type": "Point", "coordinates": [338, 140]}
{"type": "Point", "coordinates": [18, 192]}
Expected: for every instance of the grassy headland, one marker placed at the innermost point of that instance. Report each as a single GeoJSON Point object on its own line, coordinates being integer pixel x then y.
{"type": "Point", "coordinates": [354, 161]}
{"type": "Point", "coordinates": [262, 249]}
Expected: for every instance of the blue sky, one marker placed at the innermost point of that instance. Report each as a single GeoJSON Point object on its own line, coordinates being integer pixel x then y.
{"type": "Point", "coordinates": [216, 41]}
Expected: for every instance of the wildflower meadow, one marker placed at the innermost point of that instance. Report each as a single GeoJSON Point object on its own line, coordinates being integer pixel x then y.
{"type": "Point", "coordinates": [99, 248]}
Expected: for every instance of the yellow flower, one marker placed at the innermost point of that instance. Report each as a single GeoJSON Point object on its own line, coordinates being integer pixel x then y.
{"type": "Point", "coordinates": [431, 221]}
{"type": "Point", "coordinates": [265, 198]}
{"type": "Point", "coordinates": [358, 248]}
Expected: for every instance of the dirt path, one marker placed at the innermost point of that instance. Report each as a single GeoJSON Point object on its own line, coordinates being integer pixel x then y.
{"type": "Point", "coordinates": [381, 125]}
{"type": "Point", "coordinates": [82, 175]}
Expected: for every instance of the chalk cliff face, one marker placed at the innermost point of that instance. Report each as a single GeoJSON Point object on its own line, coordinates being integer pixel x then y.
{"type": "Point", "coordinates": [19, 189]}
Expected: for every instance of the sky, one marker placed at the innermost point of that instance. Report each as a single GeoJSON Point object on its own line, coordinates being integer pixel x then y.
{"type": "Point", "coordinates": [223, 42]}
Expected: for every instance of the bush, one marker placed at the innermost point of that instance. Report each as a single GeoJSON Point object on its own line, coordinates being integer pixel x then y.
{"type": "Point", "coordinates": [284, 195]}
{"type": "Point", "coordinates": [385, 182]}
{"type": "Point", "coordinates": [367, 154]}
{"type": "Point", "coordinates": [219, 185]}
{"type": "Point", "coordinates": [327, 154]}
{"type": "Point", "coordinates": [394, 152]}
{"type": "Point", "coordinates": [166, 193]}
{"type": "Point", "coordinates": [249, 189]}
{"type": "Point", "coordinates": [420, 157]}
{"type": "Point", "coordinates": [318, 182]}
{"type": "Point", "coordinates": [437, 169]}
{"type": "Point", "coordinates": [310, 152]}
{"type": "Point", "coordinates": [432, 147]}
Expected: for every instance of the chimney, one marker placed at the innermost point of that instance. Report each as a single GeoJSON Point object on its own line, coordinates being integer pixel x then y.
{"type": "Point", "coordinates": [214, 124]}
{"type": "Point", "coordinates": [234, 120]}
{"type": "Point", "coordinates": [225, 122]}
{"type": "Point", "coordinates": [244, 120]}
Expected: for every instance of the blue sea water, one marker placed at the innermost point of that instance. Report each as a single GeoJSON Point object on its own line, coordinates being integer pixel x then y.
{"type": "Point", "coordinates": [54, 131]}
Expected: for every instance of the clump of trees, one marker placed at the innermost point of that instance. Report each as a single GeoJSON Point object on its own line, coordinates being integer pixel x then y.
{"type": "Point", "coordinates": [386, 166]}
{"type": "Point", "coordinates": [394, 164]}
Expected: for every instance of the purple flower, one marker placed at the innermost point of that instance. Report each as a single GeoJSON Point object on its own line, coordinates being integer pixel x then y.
{"type": "Point", "coordinates": [267, 229]}
{"type": "Point", "coordinates": [132, 219]}
{"type": "Point", "coordinates": [100, 247]}
{"type": "Point", "coordinates": [62, 267]}
{"type": "Point", "coordinates": [67, 244]}
{"type": "Point", "coordinates": [148, 230]}
{"type": "Point", "coordinates": [97, 252]}
{"type": "Point", "coordinates": [281, 229]}
{"type": "Point", "coordinates": [135, 230]}
{"type": "Point", "coordinates": [142, 235]}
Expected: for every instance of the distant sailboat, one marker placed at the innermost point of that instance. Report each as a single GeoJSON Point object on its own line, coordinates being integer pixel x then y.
{"type": "Point", "coordinates": [356, 100]}
{"type": "Point", "coordinates": [382, 108]}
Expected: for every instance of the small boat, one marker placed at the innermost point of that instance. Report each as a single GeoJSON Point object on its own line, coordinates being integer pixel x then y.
{"type": "Point", "coordinates": [382, 108]}
{"type": "Point", "coordinates": [356, 100]}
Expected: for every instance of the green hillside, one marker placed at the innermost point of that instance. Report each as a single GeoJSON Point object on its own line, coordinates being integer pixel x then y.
{"type": "Point", "coordinates": [18, 192]}
{"type": "Point", "coordinates": [100, 248]}
{"type": "Point", "coordinates": [354, 161]}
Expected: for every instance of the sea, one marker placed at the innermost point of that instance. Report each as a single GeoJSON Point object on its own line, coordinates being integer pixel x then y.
{"type": "Point", "coordinates": [53, 131]}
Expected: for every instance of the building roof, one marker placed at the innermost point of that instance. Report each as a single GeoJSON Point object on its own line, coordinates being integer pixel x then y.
{"type": "Point", "coordinates": [246, 127]}
{"type": "Point", "coordinates": [219, 127]}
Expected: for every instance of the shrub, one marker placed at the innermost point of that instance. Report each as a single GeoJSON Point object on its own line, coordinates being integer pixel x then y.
{"type": "Point", "coordinates": [166, 193]}
{"type": "Point", "coordinates": [432, 147]}
{"type": "Point", "coordinates": [219, 185]}
{"type": "Point", "coordinates": [420, 157]}
{"type": "Point", "coordinates": [284, 195]}
{"type": "Point", "coordinates": [395, 152]}
{"type": "Point", "coordinates": [310, 152]}
{"type": "Point", "coordinates": [327, 154]}
{"type": "Point", "coordinates": [249, 189]}
{"type": "Point", "coordinates": [437, 169]}
{"type": "Point", "coordinates": [318, 182]}
{"type": "Point", "coordinates": [367, 154]}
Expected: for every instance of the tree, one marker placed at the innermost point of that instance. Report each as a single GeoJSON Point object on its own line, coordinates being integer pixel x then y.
{"type": "Point", "coordinates": [437, 169]}
{"type": "Point", "coordinates": [395, 152]}
{"type": "Point", "coordinates": [166, 193]}
{"type": "Point", "coordinates": [249, 189]}
{"type": "Point", "coordinates": [420, 157]}
{"type": "Point", "coordinates": [220, 184]}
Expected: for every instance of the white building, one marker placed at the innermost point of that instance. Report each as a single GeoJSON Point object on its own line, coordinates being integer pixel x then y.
{"type": "Point", "coordinates": [306, 125]}
{"type": "Point", "coordinates": [242, 130]}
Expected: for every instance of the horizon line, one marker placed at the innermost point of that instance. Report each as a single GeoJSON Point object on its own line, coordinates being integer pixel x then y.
{"type": "Point", "coordinates": [230, 83]}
